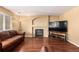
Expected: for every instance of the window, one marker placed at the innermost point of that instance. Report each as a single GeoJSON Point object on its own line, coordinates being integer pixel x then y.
{"type": "Point", "coordinates": [1, 22]}
{"type": "Point", "coordinates": [5, 22]}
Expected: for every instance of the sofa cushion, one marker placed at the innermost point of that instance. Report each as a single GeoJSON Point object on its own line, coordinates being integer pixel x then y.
{"type": "Point", "coordinates": [12, 33]}
{"type": "Point", "coordinates": [4, 35]}
{"type": "Point", "coordinates": [7, 43]}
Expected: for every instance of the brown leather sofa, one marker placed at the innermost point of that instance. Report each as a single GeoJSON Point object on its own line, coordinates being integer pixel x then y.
{"type": "Point", "coordinates": [10, 39]}
{"type": "Point", "coordinates": [0, 46]}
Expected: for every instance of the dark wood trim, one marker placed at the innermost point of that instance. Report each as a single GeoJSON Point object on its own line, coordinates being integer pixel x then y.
{"type": "Point", "coordinates": [32, 31]}
{"type": "Point", "coordinates": [48, 24]}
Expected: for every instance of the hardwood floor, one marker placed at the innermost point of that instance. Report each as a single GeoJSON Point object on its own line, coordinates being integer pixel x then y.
{"type": "Point", "coordinates": [50, 44]}
{"type": "Point", "coordinates": [61, 46]}
{"type": "Point", "coordinates": [30, 44]}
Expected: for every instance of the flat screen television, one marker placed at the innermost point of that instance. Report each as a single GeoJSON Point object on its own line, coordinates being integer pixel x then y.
{"type": "Point", "coordinates": [58, 26]}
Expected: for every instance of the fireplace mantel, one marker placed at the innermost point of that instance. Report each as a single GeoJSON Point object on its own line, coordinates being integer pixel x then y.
{"type": "Point", "coordinates": [38, 26]}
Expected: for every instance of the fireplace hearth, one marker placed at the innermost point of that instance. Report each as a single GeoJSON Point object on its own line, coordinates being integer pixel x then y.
{"type": "Point", "coordinates": [38, 32]}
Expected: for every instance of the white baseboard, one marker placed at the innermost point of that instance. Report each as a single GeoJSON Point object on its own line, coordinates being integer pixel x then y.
{"type": "Point", "coordinates": [73, 43]}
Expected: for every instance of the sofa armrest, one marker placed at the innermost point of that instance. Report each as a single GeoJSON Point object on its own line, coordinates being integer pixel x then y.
{"type": "Point", "coordinates": [24, 34]}
{"type": "Point", "coordinates": [21, 33]}
{"type": "Point", "coordinates": [0, 46]}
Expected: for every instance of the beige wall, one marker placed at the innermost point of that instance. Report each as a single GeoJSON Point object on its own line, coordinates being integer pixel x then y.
{"type": "Point", "coordinates": [26, 24]}
{"type": "Point", "coordinates": [41, 22]}
{"type": "Point", "coordinates": [15, 22]}
{"type": "Point", "coordinates": [54, 18]}
{"type": "Point", "coordinates": [72, 17]}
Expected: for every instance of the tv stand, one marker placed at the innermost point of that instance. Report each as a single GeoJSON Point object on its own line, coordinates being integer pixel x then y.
{"type": "Point", "coordinates": [57, 34]}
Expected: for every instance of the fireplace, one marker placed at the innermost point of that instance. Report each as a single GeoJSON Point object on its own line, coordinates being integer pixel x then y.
{"type": "Point", "coordinates": [38, 32]}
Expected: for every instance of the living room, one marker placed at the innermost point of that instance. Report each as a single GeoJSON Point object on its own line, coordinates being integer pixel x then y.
{"type": "Point", "coordinates": [33, 23]}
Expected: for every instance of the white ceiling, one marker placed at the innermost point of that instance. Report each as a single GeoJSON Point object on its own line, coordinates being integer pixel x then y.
{"type": "Point", "coordinates": [39, 10]}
